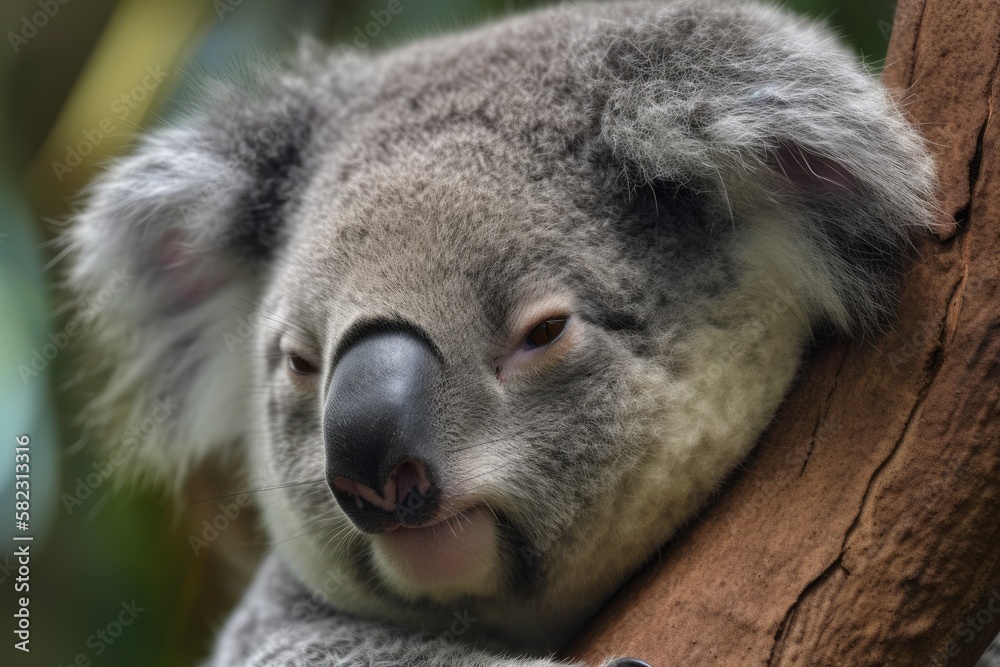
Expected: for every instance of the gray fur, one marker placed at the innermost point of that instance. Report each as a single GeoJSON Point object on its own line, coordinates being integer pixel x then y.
{"type": "Point", "coordinates": [992, 656]}
{"type": "Point", "coordinates": [697, 184]}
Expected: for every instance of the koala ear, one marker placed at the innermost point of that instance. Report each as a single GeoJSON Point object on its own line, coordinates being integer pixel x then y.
{"type": "Point", "coordinates": [780, 131]}
{"type": "Point", "coordinates": [170, 252]}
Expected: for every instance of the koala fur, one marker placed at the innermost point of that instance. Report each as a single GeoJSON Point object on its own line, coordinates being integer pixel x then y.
{"type": "Point", "coordinates": [693, 187]}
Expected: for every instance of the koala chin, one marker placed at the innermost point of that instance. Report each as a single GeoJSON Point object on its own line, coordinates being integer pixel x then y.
{"type": "Point", "coordinates": [520, 299]}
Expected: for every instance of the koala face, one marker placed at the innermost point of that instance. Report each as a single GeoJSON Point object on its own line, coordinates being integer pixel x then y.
{"type": "Point", "coordinates": [525, 295]}
{"type": "Point", "coordinates": [540, 348]}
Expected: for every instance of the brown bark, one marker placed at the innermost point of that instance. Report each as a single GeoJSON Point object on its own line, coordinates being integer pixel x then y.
{"type": "Point", "coordinates": [867, 528]}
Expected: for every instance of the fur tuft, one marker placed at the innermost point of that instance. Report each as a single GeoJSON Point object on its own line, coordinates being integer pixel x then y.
{"type": "Point", "coordinates": [180, 236]}
{"type": "Point", "coordinates": [773, 120]}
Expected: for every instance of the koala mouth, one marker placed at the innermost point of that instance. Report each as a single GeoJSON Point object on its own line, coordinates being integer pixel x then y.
{"type": "Point", "coordinates": [459, 549]}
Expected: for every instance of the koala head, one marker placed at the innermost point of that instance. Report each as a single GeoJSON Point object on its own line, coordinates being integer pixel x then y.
{"type": "Point", "coordinates": [497, 312]}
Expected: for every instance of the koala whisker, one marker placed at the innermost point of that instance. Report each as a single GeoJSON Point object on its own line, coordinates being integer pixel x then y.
{"type": "Point", "coordinates": [256, 311]}
{"type": "Point", "coordinates": [275, 316]}
{"type": "Point", "coordinates": [330, 514]}
{"type": "Point", "coordinates": [308, 532]}
{"type": "Point", "coordinates": [354, 539]}
{"type": "Point", "coordinates": [263, 386]}
{"type": "Point", "coordinates": [333, 537]}
{"type": "Point", "coordinates": [266, 488]}
{"type": "Point", "coordinates": [492, 469]}
{"type": "Point", "coordinates": [330, 517]}
{"type": "Point", "coordinates": [322, 517]}
{"type": "Point", "coordinates": [259, 321]}
{"type": "Point", "coordinates": [498, 339]}
{"type": "Point", "coordinates": [478, 444]}
{"type": "Point", "coordinates": [256, 390]}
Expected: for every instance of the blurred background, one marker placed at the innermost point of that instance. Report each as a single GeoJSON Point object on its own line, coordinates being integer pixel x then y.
{"type": "Point", "coordinates": [78, 80]}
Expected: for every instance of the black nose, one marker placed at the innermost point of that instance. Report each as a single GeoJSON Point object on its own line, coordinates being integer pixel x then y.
{"type": "Point", "coordinates": [380, 459]}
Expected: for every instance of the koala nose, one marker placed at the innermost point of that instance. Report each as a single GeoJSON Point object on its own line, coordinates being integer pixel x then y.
{"type": "Point", "coordinates": [378, 431]}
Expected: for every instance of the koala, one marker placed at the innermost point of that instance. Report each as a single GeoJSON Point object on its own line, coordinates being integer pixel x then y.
{"type": "Point", "coordinates": [521, 299]}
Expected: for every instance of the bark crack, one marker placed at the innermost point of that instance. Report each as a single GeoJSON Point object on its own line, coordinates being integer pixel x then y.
{"type": "Point", "coordinates": [824, 411]}
{"type": "Point", "coordinates": [934, 362]}
{"type": "Point", "coordinates": [963, 214]}
{"type": "Point", "coordinates": [912, 67]}
{"type": "Point", "coordinates": [786, 622]}
{"type": "Point", "coordinates": [975, 162]}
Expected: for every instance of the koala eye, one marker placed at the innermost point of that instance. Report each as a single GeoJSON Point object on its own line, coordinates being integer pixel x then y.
{"type": "Point", "coordinates": [545, 332]}
{"type": "Point", "coordinates": [299, 365]}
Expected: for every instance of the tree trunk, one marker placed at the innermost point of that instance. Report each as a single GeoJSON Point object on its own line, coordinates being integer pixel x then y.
{"type": "Point", "coordinates": [866, 530]}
